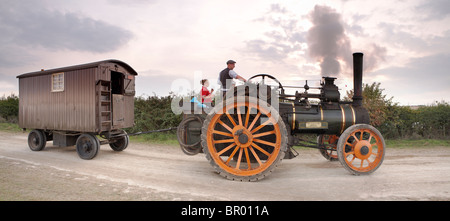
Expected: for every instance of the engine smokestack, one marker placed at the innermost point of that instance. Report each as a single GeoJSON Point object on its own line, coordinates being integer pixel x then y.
{"type": "Point", "coordinates": [357, 78]}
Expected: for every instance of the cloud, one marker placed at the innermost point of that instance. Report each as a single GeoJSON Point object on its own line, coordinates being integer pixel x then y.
{"type": "Point", "coordinates": [284, 39]}
{"type": "Point", "coordinates": [374, 55]}
{"type": "Point", "coordinates": [27, 25]}
{"type": "Point", "coordinates": [435, 9]}
{"type": "Point", "coordinates": [428, 74]}
{"type": "Point", "coordinates": [131, 2]}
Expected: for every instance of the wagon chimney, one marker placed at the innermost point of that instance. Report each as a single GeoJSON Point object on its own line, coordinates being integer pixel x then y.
{"type": "Point", "coordinates": [357, 78]}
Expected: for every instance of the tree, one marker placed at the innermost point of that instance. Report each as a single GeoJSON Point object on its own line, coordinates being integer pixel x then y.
{"type": "Point", "coordinates": [9, 107]}
{"type": "Point", "coordinates": [380, 108]}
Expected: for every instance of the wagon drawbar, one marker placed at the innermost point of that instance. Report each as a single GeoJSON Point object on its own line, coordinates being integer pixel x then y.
{"type": "Point", "coordinates": [77, 105]}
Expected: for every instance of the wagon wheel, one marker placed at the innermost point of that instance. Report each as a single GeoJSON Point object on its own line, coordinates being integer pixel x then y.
{"type": "Point", "coordinates": [330, 142]}
{"type": "Point", "coordinates": [37, 140]}
{"type": "Point", "coordinates": [252, 131]}
{"type": "Point", "coordinates": [120, 143]}
{"type": "Point", "coordinates": [361, 149]}
{"type": "Point", "coordinates": [87, 146]}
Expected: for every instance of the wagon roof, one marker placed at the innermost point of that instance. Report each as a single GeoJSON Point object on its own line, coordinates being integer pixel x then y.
{"type": "Point", "coordinates": [81, 66]}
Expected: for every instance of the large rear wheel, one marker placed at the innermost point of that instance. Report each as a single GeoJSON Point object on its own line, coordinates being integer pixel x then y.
{"type": "Point", "coordinates": [244, 139]}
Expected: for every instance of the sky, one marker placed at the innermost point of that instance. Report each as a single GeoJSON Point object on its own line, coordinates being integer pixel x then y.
{"type": "Point", "coordinates": [406, 43]}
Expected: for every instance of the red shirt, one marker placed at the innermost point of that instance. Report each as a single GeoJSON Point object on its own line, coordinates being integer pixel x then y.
{"type": "Point", "coordinates": [205, 92]}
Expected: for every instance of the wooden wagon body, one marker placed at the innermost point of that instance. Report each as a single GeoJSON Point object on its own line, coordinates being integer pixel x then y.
{"type": "Point", "coordinates": [63, 103]}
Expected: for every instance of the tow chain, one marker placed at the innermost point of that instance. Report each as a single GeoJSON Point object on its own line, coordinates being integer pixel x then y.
{"type": "Point", "coordinates": [147, 132]}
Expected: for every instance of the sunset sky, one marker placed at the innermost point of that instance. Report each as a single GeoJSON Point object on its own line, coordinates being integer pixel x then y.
{"type": "Point", "coordinates": [406, 44]}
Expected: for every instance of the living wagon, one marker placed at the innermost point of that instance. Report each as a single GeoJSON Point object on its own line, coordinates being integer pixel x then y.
{"type": "Point", "coordinates": [77, 105]}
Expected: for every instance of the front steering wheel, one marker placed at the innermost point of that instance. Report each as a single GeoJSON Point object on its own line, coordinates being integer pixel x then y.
{"type": "Point", "coordinates": [263, 76]}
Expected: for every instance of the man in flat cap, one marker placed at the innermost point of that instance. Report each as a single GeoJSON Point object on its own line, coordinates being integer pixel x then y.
{"type": "Point", "coordinates": [226, 76]}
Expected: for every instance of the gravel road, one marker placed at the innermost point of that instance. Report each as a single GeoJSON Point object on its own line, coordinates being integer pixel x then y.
{"type": "Point", "coordinates": [158, 172]}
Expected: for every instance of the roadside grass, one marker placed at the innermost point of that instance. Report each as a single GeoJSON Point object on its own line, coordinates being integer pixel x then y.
{"type": "Point", "coordinates": [10, 127]}
{"type": "Point", "coordinates": [170, 138]}
{"type": "Point", "coordinates": [405, 143]}
{"type": "Point", "coordinates": [167, 138]}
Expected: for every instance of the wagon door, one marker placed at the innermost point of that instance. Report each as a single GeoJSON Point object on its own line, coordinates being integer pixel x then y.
{"type": "Point", "coordinates": [122, 90]}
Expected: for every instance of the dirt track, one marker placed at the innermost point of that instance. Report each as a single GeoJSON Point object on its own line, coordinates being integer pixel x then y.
{"type": "Point", "coordinates": [156, 172]}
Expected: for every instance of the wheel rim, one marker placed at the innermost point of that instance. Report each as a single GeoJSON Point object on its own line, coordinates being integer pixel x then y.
{"type": "Point", "coordinates": [363, 150]}
{"type": "Point", "coordinates": [238, 132]}
{"type": "Point", "coordinates": [86, 145]}
{"type": "Point", "coordinates": [330, 142]}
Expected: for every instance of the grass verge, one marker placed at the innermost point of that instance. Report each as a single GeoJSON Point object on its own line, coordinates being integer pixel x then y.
{"type": "Point", "coordinates": [167, 138]}
{"type": "Point", "coordinates": [10, 127]}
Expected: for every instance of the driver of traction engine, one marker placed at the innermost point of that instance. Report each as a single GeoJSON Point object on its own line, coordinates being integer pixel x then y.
{"type": "Point", "coordinates": [226, 76]}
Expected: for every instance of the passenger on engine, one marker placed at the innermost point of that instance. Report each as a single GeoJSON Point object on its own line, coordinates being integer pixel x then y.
{"type": "Point", "coordinates": [205, 93]}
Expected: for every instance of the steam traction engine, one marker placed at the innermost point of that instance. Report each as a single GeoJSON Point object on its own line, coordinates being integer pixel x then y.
{"type": "Point", "coordinates": [245, 136]}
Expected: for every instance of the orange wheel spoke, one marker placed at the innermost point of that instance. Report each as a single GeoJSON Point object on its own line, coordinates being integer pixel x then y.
{"type": "Point", "coordinates": [224, 125]}
{"type": "Point", "coordinates": [247, 116]}
{"type": "Point", "coordinates": [224, 141]}
{"type": "Point", "coordinates": [264, 134]}
{"type": "Point", "coordinates": [222, 133]}
{"type": "Point", "coordinates": [255, 155]}
{"type": "Point", "coordinates": [254, 121]}
{"type": "Point", "coordinates": [354, 157]}
{"type": "Point", "coordinates": [265, 142]}
{"type": "Point", "coordinates": [239, 159]}
{"type": "Point", "coordinates": [231, 119]}
{"type": "Point", "coordinates": [247, 158]}
{"type": "Point", "coordinates": [260, 126]}
{"type": "Point", "coordinates": [349, 153]}
{"type": "Point", "coordinates": [232, 155]}
{"type": "Point", "coordinates": [226, 149]}
{"type": "Point", "coordinates": [260, 149]}
{"type": "Point", "coordinates": [347, 143]}
{"type": "Point", "coordinates": [239, 115]}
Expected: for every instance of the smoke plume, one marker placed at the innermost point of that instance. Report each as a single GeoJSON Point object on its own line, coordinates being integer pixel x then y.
{"type": "Point", "coordinates": [327, 40]}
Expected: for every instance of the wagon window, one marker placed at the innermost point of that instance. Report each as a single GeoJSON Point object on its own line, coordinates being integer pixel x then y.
{"type": "Point", "coordinates": [57, 82]}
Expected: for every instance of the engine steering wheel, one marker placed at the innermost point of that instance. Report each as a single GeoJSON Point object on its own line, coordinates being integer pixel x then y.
{"type": "Point", "coordinates": [263, 76]}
